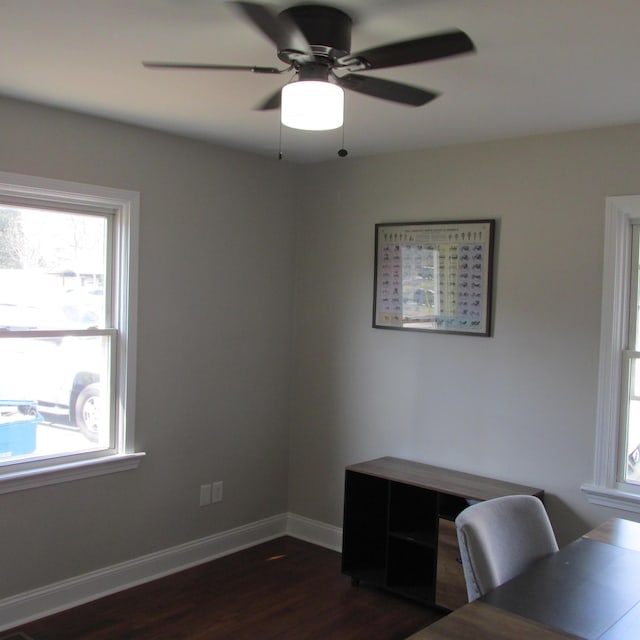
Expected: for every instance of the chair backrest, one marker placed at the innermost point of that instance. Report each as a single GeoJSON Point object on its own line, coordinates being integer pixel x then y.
{"type": "Point", "coordinates": [500, 538]}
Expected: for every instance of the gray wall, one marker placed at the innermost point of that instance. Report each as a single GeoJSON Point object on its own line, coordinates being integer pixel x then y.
{"type": "Point", "coordinates": [520, 405]}
{"type": "Point", "coordinates": [214, 339]}
{"type": "Point", "coordinates": [239, 253]}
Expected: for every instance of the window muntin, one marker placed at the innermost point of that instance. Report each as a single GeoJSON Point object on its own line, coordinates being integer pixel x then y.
{"type": "Point", "coordinates": [67, 330]}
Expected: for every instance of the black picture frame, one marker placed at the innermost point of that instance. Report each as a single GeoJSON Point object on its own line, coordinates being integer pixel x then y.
{"type": "Point", "coordinates": [434, 276]}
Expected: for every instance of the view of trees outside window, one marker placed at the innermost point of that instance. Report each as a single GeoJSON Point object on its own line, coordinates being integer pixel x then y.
{"type": "Point", "coordinates": [55, 337]}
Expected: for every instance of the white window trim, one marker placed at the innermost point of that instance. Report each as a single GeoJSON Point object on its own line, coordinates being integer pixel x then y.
{"type": "Point", "coordinates": [620, 213]}
{"type": "Point", "coordinates": [29, 479]}
{"type": "Point", "coordinates": [21, 190]}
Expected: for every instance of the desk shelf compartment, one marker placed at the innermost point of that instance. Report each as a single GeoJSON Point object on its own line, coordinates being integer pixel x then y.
{"type": "Point", "coordinates": [364, 544]}
{"type": "Point", "coordinates": [411, 569]}
{"type": "Point", "coordinates": [412, 514]}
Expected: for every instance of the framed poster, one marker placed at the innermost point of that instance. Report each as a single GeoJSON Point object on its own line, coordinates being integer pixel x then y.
{"type": "Point", "coordinates": [434, 276]}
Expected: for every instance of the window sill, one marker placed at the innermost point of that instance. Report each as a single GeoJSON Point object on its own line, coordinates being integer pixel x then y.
{"type": "Point", "coordinates": [615, 498]}
{"type": "Point", "coordinates": [73, 471]}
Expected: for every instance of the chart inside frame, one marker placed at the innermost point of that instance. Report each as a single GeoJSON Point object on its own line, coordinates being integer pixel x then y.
{"type": "Point", "coordinates": [434, 276]}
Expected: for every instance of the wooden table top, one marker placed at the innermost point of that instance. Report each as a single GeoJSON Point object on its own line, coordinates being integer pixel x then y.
{"type": "Point", "coordinates": [479, 621]}
{"type": "Point", "coordinates": [619, 532]}
{"type": "Point", "coordinates": [589, 589]}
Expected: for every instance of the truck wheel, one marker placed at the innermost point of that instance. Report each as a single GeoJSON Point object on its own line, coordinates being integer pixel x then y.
{"type": "Point", "coordinates": [88, 411]}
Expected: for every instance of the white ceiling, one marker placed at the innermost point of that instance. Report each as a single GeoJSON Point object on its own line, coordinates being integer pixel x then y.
{"type": "Point", "coordinates": [540, 66]}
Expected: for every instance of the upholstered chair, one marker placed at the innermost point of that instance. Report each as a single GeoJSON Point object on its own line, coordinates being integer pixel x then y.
{"type": "Point", "coordinates": [500, 538]}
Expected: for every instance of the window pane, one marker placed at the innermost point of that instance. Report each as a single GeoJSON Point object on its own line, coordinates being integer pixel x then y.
{"type": "Point", "coordinates": [632, 445]}
{"type": "Point", "coordinates": [52, 270]}
{"type": "Point", "coordinates": [52, 277]}
{"type": "Point", "coordinates": [631, 430]}
{"type": "Point", "coordinates": [50, 395]}
{"type": "Point", "coordinates": [634, 298]}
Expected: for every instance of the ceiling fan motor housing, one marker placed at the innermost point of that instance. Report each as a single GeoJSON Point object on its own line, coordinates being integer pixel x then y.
{"type": "Point", "coordinates": [326, 29]}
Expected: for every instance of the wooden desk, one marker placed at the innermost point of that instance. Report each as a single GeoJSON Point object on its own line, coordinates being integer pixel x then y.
{"type": "Point", "coordinates": [589, 589]}
{"type": "Point", "coordinates": [398, 530]}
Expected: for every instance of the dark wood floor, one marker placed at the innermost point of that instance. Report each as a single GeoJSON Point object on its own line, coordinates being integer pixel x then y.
{"type": "Point", "coordinates": [284, 588]}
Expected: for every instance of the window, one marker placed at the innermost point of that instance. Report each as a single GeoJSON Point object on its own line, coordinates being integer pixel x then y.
{"type": "Point", "coordinates": [67, 330]}
{"type": "Point", "coordinates": [617, 464]}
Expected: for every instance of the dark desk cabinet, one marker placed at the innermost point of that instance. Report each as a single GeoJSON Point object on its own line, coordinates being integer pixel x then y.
{"type": "Point", "coordinates": [398, 530]}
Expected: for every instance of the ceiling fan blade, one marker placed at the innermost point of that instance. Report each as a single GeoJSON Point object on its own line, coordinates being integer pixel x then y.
{"type": "Point", "coordinates": [280, 29]}
{"type": "Point", "coordinates": [440, 45]}
{"type": "Point", "coordinates": [387, 90]}
{"type": "Point", "coordinates": [209, 67]}
{"type": "Point", "coordinates": [269, 103]}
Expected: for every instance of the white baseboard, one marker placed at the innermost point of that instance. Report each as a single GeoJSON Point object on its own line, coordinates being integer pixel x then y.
{"type": "Point", "coordinates": [324, 535]}
{"type": "Point", "coordinates": [44, 601]}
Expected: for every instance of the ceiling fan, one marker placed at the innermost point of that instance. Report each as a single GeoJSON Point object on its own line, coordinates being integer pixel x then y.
{"type": "Point", "coordinates": [315, 42]}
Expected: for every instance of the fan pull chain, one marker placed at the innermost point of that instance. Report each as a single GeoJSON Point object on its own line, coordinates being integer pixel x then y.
{"type": "Point", "coordinates": [342, 152]}
{"type": "Point", "coordinates": [280, 142]}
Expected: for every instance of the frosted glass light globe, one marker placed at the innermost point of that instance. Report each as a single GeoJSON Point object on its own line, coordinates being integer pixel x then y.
{"type": "Point", "coordinates": [313, 105]}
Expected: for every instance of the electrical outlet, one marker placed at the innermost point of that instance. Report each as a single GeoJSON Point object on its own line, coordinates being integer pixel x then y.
{"type": "Point", "coordinates": [216, 493]}
{"type": "Point", "coordinates": [205, 495]}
